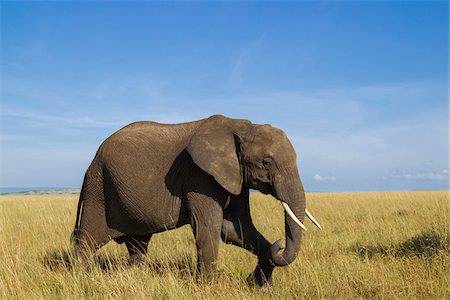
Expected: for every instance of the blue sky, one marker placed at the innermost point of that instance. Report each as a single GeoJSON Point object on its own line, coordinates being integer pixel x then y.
{"type": "Point", "coordinates": [361, 88]}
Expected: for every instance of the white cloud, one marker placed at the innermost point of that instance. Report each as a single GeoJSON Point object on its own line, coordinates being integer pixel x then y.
{"type": "Point", "coordinates": [318, 177]}
{"type": "Point", "coordinates": [440, 175]}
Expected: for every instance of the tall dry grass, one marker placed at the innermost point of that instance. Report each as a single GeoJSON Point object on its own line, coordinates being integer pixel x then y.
{"type": "Point", "coordinates": [389, 245]}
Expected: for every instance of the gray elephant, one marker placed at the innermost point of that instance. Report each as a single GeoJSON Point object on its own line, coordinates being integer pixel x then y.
{"type": "Point", "coordinates": [149, 177]}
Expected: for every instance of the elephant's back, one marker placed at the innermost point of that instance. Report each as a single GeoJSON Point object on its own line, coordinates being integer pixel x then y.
{"type": "Point", "coordinates": [146, 141]}
{"type": "Point", "coordinates": [136, 160]}
{"type": "Point", "coordinates": [148, 132]}
{"type": "Point", "coordinates": [145, 150]}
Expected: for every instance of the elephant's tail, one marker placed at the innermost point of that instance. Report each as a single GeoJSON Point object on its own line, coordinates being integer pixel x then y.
{"type": "Point", "coordinates": [91, 186]}
{"type": "Point", "coordinates": [74, 236]}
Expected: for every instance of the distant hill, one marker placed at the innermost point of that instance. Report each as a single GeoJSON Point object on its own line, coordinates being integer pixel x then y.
{"type": "Point", "coordinates": [38, 191]}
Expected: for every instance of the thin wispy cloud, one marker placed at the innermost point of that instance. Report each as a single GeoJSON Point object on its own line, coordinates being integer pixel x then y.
{"type": "Point", "coordinates": [436, 175]}
{"type": "Point", "coordinates": [95, 120]}
{"type": "Point", "coordinates": [318, 177]}
{"type": "Point", "coordinates": [60, 120]}
{"type": "Point", "coordinates": [246, 55]}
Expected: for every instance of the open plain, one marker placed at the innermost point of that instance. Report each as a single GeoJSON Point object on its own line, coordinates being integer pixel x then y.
{"type": "Point", "coordinates": [374, 245]}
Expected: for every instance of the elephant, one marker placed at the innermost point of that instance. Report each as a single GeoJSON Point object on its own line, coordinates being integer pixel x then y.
{"type": "Point", "coordinates": [149, 177]}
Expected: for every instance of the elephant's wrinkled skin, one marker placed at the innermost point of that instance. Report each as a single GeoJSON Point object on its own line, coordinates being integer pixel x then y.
{"type": "Point", "coordinates": [149, 177]}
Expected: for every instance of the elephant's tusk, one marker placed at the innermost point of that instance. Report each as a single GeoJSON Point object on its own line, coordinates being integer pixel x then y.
{"type": "Point", "coordinates": [312, 219]}
{"type": "Point", "coordinates": [228, 202]}
{"type": "Point", "coordinates": [291, 214]}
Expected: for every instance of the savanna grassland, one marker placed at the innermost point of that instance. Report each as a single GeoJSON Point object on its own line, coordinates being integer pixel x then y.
{"type": "Point", "coordinates": [380, 245]}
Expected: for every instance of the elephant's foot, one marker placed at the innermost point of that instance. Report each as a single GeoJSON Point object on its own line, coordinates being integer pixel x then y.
{"type": "Point", "coordinates": [262, 275]}
{"type": "Point", "coordinates": [137, 259]}
{"type": "Point", "coordinates": [207, 273]}
{"type": "Point", "coordinates": [82, 257]}
{"type": "Point", "coordinates": [206, 278]}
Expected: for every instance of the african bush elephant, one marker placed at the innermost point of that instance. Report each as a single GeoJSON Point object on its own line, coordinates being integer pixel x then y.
{"type": "Point", "coordinates": [149, 177]}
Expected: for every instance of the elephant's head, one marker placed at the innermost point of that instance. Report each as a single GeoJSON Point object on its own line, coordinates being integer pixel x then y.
{"type": "Point", "coordinates": [238, 153]}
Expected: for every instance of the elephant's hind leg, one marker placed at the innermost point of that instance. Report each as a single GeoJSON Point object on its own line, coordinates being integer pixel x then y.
{"type": "Point", "coordinates": [137, 248]}
{"type": "Point", "coordinates": [93, 232]}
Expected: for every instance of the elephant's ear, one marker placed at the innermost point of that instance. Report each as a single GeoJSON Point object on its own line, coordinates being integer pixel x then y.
{"type": "Point", "coordinates": [213, 149]}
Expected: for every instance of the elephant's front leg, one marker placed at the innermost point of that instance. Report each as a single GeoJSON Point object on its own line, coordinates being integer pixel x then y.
{"type": "Point", "coordinates": [206, 222]}
{"type": "Point", "coordinates": [238, 229]}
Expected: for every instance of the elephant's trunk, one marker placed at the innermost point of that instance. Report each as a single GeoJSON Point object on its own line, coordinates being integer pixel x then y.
{"type": "Point", "coordinates": [288, 188]}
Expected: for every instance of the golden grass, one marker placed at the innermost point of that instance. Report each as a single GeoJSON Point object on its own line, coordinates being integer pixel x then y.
{"type": "Point", "coordinates": [380, 245]}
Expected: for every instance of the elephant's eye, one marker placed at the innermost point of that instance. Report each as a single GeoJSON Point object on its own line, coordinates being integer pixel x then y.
{"type": "Point", "coordinates": [267, 161]}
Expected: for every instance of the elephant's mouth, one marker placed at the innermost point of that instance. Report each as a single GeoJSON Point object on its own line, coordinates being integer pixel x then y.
{"type": "Point", "coordinates": [263, 187]}
{"type": "Point", "coordinates": [266, 188]}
